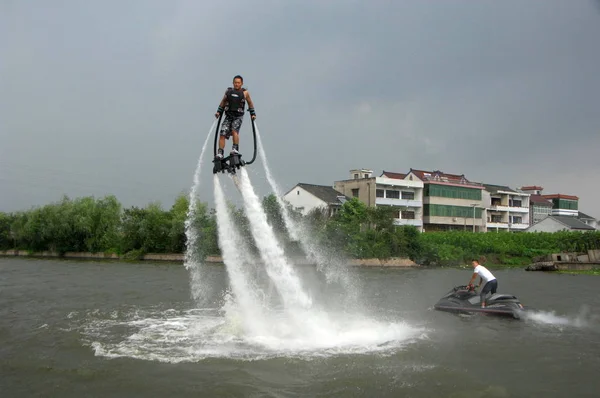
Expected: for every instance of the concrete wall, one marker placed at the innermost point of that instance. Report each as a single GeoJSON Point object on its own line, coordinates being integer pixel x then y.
{"type": "Point", "coordinates": [299, 197]}
{"type": "Point", "coordinates": [366, 189]}
{"type": "Point", "coordinates": [594, 255]}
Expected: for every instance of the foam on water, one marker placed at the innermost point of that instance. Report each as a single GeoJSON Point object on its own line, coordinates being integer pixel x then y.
{"type": "Point", "coordinates": [194, 335]}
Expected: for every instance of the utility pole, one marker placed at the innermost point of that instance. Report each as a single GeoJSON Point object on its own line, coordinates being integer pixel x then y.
{"type": "Point", "coordinates": [474, 205]}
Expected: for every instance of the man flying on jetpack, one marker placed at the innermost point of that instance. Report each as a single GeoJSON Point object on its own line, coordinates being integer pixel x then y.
{"type": "Point", "coordinates": [233, 104]}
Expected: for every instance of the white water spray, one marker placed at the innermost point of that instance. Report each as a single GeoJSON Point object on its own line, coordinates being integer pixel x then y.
{"type": "Point", "coordinates": [583, 319]}
{"type": "Point", "coordinates": [193, 258]}
{"type": "Point", "coordinates": [335, 269]}
{"type": "Point", "coordinates": [236, 257]}
{"type": "Point", "coordinates": [277, 265]}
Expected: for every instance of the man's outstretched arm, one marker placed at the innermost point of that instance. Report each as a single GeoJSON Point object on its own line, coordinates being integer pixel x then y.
{"type": "Point", "coordinates": [221, 105]}
{"type": "Point", "coordinates": [250, 104]}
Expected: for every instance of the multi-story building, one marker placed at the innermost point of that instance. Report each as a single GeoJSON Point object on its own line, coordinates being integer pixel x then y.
{"type": "Point", "coordinates": [539, 207]}
{"type": "Point", "coordinates": [563, 205]}
{"type": "Point", "coordinates": [389, 189]}
{"type": "Point", "coordinates": [450, 201]}
{"type": "Point", "coordinates": [507, 209]}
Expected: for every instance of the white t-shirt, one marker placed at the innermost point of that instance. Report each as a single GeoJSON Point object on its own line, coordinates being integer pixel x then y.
{"type": "Point", "coordinates": [484, 273]}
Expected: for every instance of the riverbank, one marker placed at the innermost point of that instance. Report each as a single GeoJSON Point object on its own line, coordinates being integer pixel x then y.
{"type": "Point", "coordinates": [179, 258]}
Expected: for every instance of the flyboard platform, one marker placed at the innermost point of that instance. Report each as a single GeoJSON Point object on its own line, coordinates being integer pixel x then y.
{"type": "Point", "coordinates": [234, 161]}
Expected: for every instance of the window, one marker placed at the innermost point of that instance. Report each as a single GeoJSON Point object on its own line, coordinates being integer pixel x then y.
{"type": "Point", "coordinates": [408, 195]}
{"type": "Point", "coordinates": [517, 220]}
{"type": "Point", "coordinates": [433, 210]}
{"type": "Point", "coordinates": [517, 203]}
{"type": "Point", "coordinates": [496, 218]}
{"type": "Point", "coordinates": [496, 202]}
{"type": "Point", "coordinates": [408, 215]}
{"type": "Point", "coordinates": [392, 194]}
{"type": "Point", "coordinates": [379, 193]}
{"type": "Point", "coordinates": [448, 191]}
{"type": "Point", "coordinates": [356, 176]}
{"type": "Point", "coordinates": [355, 192]}
{"type": "Point", "coordinates": [565, 204]}
{"type": "Point", "coordinates": [298, 192]}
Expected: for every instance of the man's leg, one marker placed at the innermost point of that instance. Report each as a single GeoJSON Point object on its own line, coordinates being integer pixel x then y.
{"type": "Point", "coordinates": [235, 132]}
{"type": "Point", "coordinates": [494, 284]}
{"type": "Point", "coordinates": [225, 133]}
{"type": "Point", "coordinates": [484, 291]}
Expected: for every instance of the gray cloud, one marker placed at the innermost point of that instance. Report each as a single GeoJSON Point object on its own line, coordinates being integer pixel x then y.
{"type": "Point", "coordinates": [117, 97]}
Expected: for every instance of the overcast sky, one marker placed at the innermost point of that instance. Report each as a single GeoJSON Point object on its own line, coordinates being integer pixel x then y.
{"type": "Point", "coordinates": [117, 97]}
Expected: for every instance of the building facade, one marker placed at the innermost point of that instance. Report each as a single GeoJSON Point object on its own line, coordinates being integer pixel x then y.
{"type": "Point", "coordinates": [506, 209]}
{"type": "Point", "coordinates": [389, 189]}
{"type": "Point", "coordinates": [539, 207]}
{"type": "Point", "coordinates": [450, 201]}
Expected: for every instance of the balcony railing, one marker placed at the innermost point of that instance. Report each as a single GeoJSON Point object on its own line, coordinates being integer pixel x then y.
{"type": "Point", "coordinates": [403, 221]}
{"type": "Point", "coordinates": [510, 209]}
{"type": "Point", "coordinates": [505, 225]}
{"type": "Point", "coordinates": [398, 202]}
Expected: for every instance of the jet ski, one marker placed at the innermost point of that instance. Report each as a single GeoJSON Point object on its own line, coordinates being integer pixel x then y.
{"type": "Point", "coordinates": [465, 300]}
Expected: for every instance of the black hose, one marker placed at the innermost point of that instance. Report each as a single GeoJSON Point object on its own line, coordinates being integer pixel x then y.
{"type": "Point", "coordinates": [217, 134]}
{"type": "Point", "coordinates": [254, 136]}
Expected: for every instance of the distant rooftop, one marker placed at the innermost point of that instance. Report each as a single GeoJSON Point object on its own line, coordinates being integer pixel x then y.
{"type": "Point", "coordinates": [584, 216]}
{"type": "Point", "coordinates": [496, 188]}
{"type": "Point", "coordinates": [560, 196]}
{"type": "Point", "coordinates": [572, 222]}
{"type": "Point", "coordinates": [389, 174]}
{"type": "Point", "coordinates": [325, 193]}
{"type": "Point", "coordinates": [539, 200]}
{"type": "Point", "coordinates": [438, 175]}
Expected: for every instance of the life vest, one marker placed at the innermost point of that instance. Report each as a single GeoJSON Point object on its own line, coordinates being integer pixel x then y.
{"type": "Point", "coordinates": [236, 101]}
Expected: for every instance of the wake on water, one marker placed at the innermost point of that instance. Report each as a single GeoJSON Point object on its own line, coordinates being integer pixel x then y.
{"type": "Point", "coordinates": [268, 308]}
{"type": "Point", "coordinates": [584, 319]}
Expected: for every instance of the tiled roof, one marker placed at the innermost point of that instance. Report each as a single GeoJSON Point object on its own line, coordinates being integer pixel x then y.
{"type": "Point", "coordinates": [440, 176]}
{"type": "Point", "coordinates": [560, 196]}
{"type": "Point", "coordinates": [389, 174]}
{"type": "Point", "coordinates": [531, 188]}
{"type": "Point", "coordinates": [496, 188]}
{"type": "Point", "coordinates": [323, 192]}
{"type": "Point", "coordinates": [539, 200]}
{"type": "Point", "coordinates": [572, 222]}
{"type": "Point", "coordinates": [585, 216]}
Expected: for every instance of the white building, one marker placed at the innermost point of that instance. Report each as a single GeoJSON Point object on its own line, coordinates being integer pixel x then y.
{"type": "Point", "coordinates": [306, 197]}
{"type": "Point", "coordinates": [506, 208]}
{"type": "Point", "coordinates": [389, 189]}
{"type": "Point", "coordinates": [560, 223]}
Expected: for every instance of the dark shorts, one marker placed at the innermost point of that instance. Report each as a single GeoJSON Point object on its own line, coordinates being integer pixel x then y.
{"type": "Point", "coordinates": [231, 123]}
{"type": "Point", "coordinates": [491, 286]}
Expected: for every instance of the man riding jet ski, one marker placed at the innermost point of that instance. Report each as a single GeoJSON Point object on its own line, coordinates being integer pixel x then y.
{"type": "Point", "coordinates": [464, 299]}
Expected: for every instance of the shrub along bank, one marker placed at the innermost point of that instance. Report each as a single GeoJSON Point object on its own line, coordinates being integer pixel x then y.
{"type": "Point", "coordinates": [91, 224]}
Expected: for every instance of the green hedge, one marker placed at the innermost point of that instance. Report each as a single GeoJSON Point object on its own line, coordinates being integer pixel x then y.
{"type": "Point", "coordinates": [103, 225]}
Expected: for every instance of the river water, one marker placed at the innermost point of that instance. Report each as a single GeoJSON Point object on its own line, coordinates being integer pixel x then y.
{"type": "Point", "coordinates": [109, 329]}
